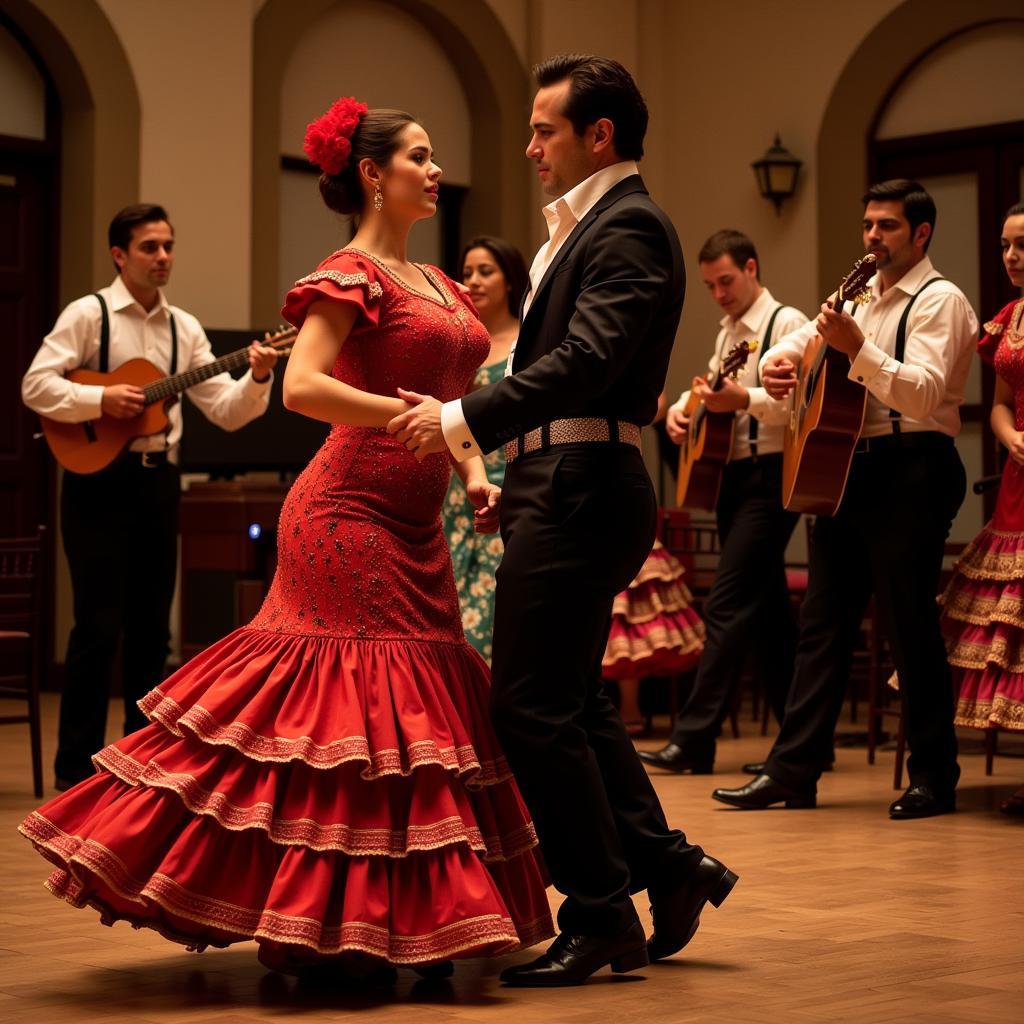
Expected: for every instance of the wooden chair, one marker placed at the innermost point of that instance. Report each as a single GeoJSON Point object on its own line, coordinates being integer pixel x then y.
{"type": "Point", "coordinates": [21, 636]}
{"type": "Point", "coordinates": [694, 542]}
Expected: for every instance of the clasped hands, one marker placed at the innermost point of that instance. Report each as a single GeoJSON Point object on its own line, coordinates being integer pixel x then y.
{"type": "Point", "coordinates": [419, 429]}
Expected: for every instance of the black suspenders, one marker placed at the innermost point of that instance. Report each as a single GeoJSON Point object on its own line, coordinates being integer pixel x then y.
{"type": "Point", "coordinates": [105, 337]}
{"type": "Point", "coordinates": [767, 344]}
{"type": "Point", "coordinates": [901, 344]}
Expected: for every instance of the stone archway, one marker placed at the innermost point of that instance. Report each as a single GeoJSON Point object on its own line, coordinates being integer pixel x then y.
{"type": "Point", "coordinates": [867, 82]}
{"type": "Point", "coordinates": [100, 129]}
{"type": "Point", "coordinates": [496, 90]}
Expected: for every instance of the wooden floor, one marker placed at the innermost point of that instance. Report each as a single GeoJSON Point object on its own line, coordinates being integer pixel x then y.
{"type": "Point", "coordinates": [840, 915]}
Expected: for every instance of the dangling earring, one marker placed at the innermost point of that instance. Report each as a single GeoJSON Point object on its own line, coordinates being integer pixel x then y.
{"type": "Point", "coordinates": [378, 198]}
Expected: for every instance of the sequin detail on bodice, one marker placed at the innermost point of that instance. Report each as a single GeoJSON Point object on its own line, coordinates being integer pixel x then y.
{"type": "Point", "coordinates": [361, 552]}
{"type": "Point", "coordinates": [1009, 360]}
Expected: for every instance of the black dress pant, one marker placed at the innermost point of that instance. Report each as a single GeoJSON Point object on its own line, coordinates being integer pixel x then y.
{"type": "Point", "coordinates": [578, 523]}
{"type": "Point", "coordinates": [887, 540]}
{"type": "Point", "coordinates": [748, 608]}
{"type": "Point", "coordinates": [120, 530]}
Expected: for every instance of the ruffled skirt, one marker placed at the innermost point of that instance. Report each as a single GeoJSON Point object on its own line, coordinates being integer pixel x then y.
{"type": "Point", "coordinates": [654, 630]}
{"type": "Point", "coordinates": [983, 622]}
{"type": "Point", "coordinates": [320, 795]}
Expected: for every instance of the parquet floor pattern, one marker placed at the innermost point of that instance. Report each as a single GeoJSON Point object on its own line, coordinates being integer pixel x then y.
{"type": "Point", "coordinates": [840, 915]}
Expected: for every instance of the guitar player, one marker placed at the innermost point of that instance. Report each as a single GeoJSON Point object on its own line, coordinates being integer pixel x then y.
{"type": "Point", "coordinates": [910, 346]}
{"type": "Point", "coordinates": [748, 607]}
{"type": "Point", "coordinates": [120, 525]}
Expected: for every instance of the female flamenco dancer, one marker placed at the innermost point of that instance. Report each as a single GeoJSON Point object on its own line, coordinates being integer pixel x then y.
{"type": "Point", "coordinates": [495, 274]}
{"type": "Point", "coordinates": [983, 606]}
{"type": "Point", "coordinates": [325, 780]}
{"type": "Point", "coordinates": [654, 632]}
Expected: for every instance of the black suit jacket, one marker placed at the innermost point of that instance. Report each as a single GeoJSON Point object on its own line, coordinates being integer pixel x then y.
{"type": "Point", "coordinates": [597, 337]}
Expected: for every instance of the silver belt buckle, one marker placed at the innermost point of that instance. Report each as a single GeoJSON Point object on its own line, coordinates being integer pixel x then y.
{"type": "Point", "coordinates": [146, 457]}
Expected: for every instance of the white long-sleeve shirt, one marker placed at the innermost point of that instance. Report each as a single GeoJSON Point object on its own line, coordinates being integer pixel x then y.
{"type": "Point", "coordinates": [74, 343]}
{"type": "Point", "coordinates": [770, 413]}
{"type": "Point", "coordinates": [927, 387]}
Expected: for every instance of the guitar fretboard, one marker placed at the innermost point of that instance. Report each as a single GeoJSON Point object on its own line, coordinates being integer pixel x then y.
{"type": "Point", "coordinates": [181, 381]}
{"type": "Point", "coordinates": [167, 386]}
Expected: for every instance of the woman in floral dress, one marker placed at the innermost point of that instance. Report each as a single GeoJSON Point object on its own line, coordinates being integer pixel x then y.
{"type": "Point", "coordinates": [495, 274]}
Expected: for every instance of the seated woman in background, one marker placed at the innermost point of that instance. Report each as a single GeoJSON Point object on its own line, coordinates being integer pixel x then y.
{"type": "Point", "coordinates": [495, 274]}
{"type": "Point", "coordinates": [983, 606]}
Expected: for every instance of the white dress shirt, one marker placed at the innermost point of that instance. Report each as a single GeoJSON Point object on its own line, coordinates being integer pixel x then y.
{"type": "Point", "coordinates": [927, 388]}
{"type": "Point", "coordinates": [770, 413]}
{"type": "Point", "coordinates": [562, 216]}
{"type": "Point", "coordinates": [74, 343]}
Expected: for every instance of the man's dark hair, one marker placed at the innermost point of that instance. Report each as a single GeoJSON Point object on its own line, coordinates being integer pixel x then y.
{"type": "Point", "coordinates": [600, 87]}
{"type": "Point", "coordinates": [918, 206]}
{"type": "Point", "coordinates": [730, 243]}
{"type": "Point", "coordinates": [127, 220]}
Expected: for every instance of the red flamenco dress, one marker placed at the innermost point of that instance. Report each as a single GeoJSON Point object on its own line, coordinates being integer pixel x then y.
{"type": "Point", "coordinates": [654, 630]}
{"type": "Point", "coordinates": [983, 606]}
{"type": "Point", "coordinates": [325, 780]}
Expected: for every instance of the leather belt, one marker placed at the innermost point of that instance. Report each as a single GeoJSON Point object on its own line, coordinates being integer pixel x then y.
{"type": "Point", "coordinates": [902, 439]}
{"type": "Point", "coordinates": [577, 430]}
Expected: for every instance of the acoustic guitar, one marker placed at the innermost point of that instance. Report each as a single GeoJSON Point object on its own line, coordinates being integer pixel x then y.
{"type": "Point", "coordinates": [93, 445]}
{"type": "Point", "coordinates": [826, 416]}
{"type": "Point", "coordinates": [708, 443]}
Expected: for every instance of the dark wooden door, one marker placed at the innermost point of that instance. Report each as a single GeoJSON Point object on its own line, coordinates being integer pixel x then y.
{"type": "Point", "coordinates": [28, 261]}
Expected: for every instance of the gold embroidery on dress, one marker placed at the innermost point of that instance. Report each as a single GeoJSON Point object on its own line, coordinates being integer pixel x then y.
{"type": "Point", "coordinates": [373, 288]}
{"type": "Point", "coordinates": [1014, 335]}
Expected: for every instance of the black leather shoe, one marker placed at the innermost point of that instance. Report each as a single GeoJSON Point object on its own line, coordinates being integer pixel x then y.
{"type": "Point", "coordinates": [762, 792]}
{"type": "Point", "coordinates": [571, 959]}
{"type": "Point", "coordinates": [757, 768]}
{"type": "Point", "coordinates": [676, 912]}
{"type": "Point", "coordinates": [922, 802]}
{"type": "Point", "coordinates": [674, 759]}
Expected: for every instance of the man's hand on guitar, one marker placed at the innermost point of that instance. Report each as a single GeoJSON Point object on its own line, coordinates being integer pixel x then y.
{"type": "Point", "coordinates": [262, 360]}
{"type": "Point", "coordinates": [677, 423]}
{"type": "Point", "coordinates": [123, 401]}
{"type": "Point", "coordinates": [840, 331]}
{"type": "Point", "coordinates": [728, 398]}
{"type": "Point", "coordinates": [779, 377]}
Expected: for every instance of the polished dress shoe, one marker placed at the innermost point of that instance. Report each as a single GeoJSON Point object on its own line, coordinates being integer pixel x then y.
{"type": "Point", "coordinates": [676, 911]}
{"type": "Point", "coordinates": [674, 759]}
{"type": "Point", "coordinates": [922, 802]}
{"type": "Point", "coordinates": [762, 792]}
{"type": "Point", "coordinates": [757, 768]}
{"type": "Point", "coordinates": [571, 959]}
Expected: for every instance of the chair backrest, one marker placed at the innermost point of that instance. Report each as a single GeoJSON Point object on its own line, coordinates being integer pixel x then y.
{"type": "Point", "coordinates": [695, 543]}
{"type": "Point", "coordinates": [21, 583]}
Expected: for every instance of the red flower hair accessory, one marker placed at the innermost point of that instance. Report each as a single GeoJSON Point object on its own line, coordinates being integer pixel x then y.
{"type": "Point", "coordinates": [329, 138]}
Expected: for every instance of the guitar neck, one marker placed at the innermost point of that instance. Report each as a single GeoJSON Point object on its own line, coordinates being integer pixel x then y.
{"type": "Point", "coordinates": [168, 386]}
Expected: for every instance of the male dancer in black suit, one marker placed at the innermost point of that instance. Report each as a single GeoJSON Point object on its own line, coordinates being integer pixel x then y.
{"type": "Point", "coordinates": [578, 519]}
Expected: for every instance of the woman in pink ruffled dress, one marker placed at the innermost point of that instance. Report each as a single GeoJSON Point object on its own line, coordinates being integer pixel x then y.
{"type": "Point", "coordinates": [326, 780]}
{"type": "Point", "coordinates": [983, 606]}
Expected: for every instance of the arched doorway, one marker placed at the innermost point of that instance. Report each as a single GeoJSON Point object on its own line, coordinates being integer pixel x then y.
{"type": "Point", "coordinates": [496, 90]}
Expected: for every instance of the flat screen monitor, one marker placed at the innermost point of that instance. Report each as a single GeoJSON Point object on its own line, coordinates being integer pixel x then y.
{"type": "Point", "coordinates": [279, 440]}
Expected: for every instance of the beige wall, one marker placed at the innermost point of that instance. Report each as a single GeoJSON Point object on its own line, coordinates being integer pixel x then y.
{"type": "Point", "coordinates": [192, 65]}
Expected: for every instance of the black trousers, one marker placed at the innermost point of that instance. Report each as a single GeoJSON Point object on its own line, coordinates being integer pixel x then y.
{"type": "Point", "coordinates": [748, 608]}
{"type": "Point", "coordinates": [120, 530]}
{"type": "Point", "coordinates": [887, 540]}
{"type": "Point", "coordinates": [578, 523]}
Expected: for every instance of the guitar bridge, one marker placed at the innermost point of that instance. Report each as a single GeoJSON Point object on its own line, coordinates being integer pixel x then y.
{"type": "Point", "coordinates": [90, 431]}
